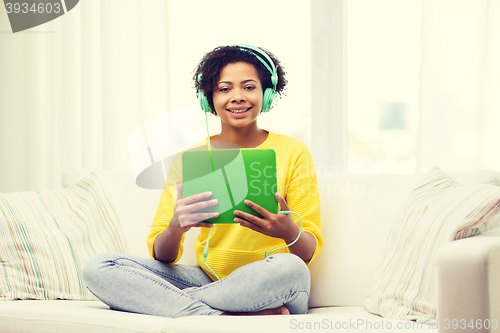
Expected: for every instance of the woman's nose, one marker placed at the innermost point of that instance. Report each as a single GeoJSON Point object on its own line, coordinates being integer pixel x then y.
{"type": "Point", "coordinates": [238, 96]}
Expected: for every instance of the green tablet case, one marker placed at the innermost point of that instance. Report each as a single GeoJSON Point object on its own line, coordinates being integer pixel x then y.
{"type": "Point", "coordinates": [239, 174]}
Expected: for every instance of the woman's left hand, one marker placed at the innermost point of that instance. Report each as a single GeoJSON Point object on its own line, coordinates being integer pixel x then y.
{"type": "Point", "coordinates": [274, 225]}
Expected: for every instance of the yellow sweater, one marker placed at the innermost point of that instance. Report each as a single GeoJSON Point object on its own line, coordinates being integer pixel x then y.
{"type": "Point", "coordinates": [233, 246]}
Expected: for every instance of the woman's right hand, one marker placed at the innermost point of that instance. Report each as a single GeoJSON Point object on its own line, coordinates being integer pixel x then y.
{"type": "Point", "coordinates": [185, 210]}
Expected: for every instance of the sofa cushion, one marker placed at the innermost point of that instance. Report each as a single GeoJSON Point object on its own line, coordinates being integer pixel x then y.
{"type": "Point", "coordinates": [135, 208]}
{"type": "Point", "coordinates": [357, 213]}
{"type": "Point", "coordinates": [92, 317]}
{"type": "Point", "coordinates": [47, 236]}
{"type": "Point", "coordinates": [438, 211]}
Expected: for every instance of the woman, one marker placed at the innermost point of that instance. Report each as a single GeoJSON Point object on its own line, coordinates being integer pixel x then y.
{"type": "Point", "coordinates": [237, 83]}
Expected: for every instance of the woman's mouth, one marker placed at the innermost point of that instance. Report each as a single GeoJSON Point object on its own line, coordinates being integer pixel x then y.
{"type": "Point", "coordinates": [238, 111]}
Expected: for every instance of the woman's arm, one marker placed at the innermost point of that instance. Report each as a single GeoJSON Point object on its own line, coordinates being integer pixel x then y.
{"type": "Point", "coordinates": [305, 245]}
{"type": "Point", "coordinates": [167, 243]}
{"type": "Point", "coordinates": [279, 226]}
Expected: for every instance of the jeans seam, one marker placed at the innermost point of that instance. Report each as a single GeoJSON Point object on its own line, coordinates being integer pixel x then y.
{"type": "Point", "coordinates": [96, 295]}
{"type": "Point", "coordinates": [206, 286]}
{"type": "Point", "coordinates": [281, 298]}
{"type": "Point", "coordinates": [209, 285]}
{"type": "Point", "coordinates": [172, 277]}
{"type": "Point", "coordinates": [302, 290]}
{"type": "Point", "coordinates": [165, 287]}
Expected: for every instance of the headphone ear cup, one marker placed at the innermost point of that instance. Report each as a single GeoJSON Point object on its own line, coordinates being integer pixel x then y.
{"type": "Point", "coordinates": [204, 103]}
{"type": "Point", "coordinates": [267, 100]}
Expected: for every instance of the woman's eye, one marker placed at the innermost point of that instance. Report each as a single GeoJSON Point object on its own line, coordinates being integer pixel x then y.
{"type": "Point", "coordinates": [224, 89]}
{"type": "Point", "coordinates": [250, 87]}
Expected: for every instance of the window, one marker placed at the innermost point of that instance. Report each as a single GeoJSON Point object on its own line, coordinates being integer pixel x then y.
{"type": "Point", "coordinates": [382, 79]}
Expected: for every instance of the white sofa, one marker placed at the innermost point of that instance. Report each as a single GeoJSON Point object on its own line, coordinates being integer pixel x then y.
{"type": "Point", "coordinates": [357, 214]}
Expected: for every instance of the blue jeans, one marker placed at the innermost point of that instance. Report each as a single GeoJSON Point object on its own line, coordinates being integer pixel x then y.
{"type": "Point", "coordinates": [142, 285]}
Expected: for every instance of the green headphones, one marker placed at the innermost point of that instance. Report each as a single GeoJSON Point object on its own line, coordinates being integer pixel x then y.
{"type": "Point", "coordinates": [269, 94]}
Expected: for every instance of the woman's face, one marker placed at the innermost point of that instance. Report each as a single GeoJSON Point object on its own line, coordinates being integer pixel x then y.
{"type": "Point", "coordinates": [238, 96]}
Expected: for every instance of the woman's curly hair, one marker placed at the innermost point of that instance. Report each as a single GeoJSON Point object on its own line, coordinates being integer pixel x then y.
{"type": "Point", "coordinates": [208, 70]}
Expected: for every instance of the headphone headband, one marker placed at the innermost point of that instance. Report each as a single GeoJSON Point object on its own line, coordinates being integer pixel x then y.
{"type": "Point", "coordinates": [272, 69]}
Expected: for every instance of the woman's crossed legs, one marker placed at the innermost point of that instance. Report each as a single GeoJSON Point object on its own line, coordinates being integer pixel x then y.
{"type": "Point", "coordinates": [142, 285]}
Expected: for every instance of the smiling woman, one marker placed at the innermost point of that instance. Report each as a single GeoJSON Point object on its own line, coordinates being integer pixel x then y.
{"type": "Point", "coordinates": [238, 101]}
{"type": "Point", "coordinates": [237, 84]}
{"type": "Point", "coordinates": [238, 106]}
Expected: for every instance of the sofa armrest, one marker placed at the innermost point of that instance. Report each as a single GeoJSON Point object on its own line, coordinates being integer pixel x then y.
{"type": "Point", "coordinates": [468, 275]}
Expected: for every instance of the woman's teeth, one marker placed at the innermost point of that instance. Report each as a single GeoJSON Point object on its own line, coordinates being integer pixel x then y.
{"type": "Point", "coordinates": [239, 111]}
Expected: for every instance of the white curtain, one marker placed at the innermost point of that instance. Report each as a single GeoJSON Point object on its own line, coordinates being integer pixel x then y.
{"type": "Point", "coordinates": [460, 85]}
{"type": "Point", "coordinates": [73, 89]}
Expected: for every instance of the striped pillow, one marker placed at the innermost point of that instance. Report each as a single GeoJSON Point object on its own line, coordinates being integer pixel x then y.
{"type": "Point", "coordinates": [438, 211]}
{"type": "Point", "coordinates": [46, 237]}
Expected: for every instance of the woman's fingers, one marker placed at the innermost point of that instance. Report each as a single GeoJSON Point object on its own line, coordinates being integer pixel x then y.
{"type": "Point", "coordinates": [193, 202]}
{"type": "Point", "coordinates": [262, 211]}
{"type": "Point", "coordinates": [191, 219]}
{"type": "Point", "coordinates": [179, 189]}
{"type": "Point", "coordinates": [249, 225]}
{"type": "Point", "coordinates": [195, 198]}
{"type": "Point", "coordinates": [202, 225]}
{"type": "Point", "coordinates": [274, 225]}
{"type": "Point", "coordinates": [186, 208]}
{"type": "Point", "coordinates": [282, 202]}
{"type": "Point", "coordinates": [194, 207]}
{"type": "Point", "coordinates": [192, 198]}
{"type": "Point", "coordinates": [248, 217]}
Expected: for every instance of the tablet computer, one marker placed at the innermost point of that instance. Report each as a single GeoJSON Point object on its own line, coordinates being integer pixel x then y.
{"type": "Point", "coordinates": [232, 175]}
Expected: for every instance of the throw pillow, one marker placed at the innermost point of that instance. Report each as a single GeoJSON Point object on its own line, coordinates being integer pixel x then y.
{"type": "Point", "coordinates": [47, 236]}
{"type": "Point", "coordinates": [438, 211]}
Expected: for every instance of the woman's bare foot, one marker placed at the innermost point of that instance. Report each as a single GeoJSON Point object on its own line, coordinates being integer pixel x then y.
{"type": "Point", "coordinates": [278, 311]}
